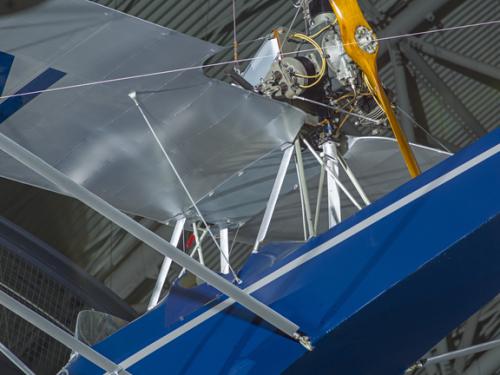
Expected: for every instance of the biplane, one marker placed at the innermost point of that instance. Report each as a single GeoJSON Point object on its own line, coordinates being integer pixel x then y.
{"type": "Point", "coordinates": [353, 236]}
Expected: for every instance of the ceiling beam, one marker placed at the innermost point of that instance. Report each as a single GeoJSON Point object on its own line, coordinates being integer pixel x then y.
{"type": "Point", "coordinates": [456, 59]}
{"type": "Point", "coordinates": [446, 94]}
{"type": "Point", "coordinates": [409, 19]}
{"type": "Point", "coordinates": [403, 99]}
{"type": "Point", "coordinates": [372, 12]}
{"type": "Point", "coordinates": [420, 116]}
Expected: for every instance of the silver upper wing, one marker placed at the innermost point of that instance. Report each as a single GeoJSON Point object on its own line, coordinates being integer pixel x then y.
{"type": "Point", "coordinates": [95, 134]}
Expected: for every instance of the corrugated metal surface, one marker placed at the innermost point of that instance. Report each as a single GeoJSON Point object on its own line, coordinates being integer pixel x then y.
{"type": "Point", "coordinates": [479, 98]}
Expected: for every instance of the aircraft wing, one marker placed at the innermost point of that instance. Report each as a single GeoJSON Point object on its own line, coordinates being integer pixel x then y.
{"type": "Point", "coordinates": [96, 135]}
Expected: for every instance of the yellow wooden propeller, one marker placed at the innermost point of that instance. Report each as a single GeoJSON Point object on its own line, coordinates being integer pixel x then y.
{"type": "Point", "coordinates": [361, 46]}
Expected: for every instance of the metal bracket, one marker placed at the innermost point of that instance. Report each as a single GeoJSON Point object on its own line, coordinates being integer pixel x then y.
{"type": "Point", "coordinates": [305, 341]}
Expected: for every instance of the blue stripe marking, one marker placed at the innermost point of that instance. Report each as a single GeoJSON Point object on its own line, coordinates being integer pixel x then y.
{"type": "Point", "coordinates": [6, 61]}
{"type": "Point", "coordinates": [42, 82]}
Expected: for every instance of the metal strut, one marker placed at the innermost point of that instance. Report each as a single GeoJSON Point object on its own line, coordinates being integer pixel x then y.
{"type": "Point", "coordinates": [334, 203]}
{"type": "Point", "coordinates": [303, 189]}
{"type": "Point", "coordinates": [331, 173]}
{"type": "Point", "coordinates": [302, 206]}
{"type": "Point", "coordinates": [224, 244]}
{"type": "Point", "coordinates": [273, 198]}
{"type": "Point", "coordinates": [167, 262]}
{"type": "Point", "coordinates": [70, 187]}
{"type": "Point", "coordinates": [353, 179]}
{"type": "Point", "coordinates": [197, 247]}
{"type": "Point", "coordinates": [318, 198]}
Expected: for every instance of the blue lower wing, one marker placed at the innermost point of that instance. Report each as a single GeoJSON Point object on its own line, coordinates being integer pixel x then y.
{"type": "Point", "coordinates": [373, 294]}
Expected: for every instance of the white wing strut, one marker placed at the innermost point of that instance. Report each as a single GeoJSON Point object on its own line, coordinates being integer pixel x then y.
{"type": "Point", "coordinates": [273, 198]}
{"type": "Point", "coordinates": [224, 245]}
{"type": "Point", "coordinates": [167, 262]}
{"type": "Point", "coordinates": [334, 207]}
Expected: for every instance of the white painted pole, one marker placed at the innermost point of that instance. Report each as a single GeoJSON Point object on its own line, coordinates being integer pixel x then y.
{"type": "Point", "coordinates": [224, 244]}
{"type": "Point", "coordinates": [330, 172]}
{"type": "Point", "coordinates": [273, 198]}
{"type": "Point", "coordinates": [318, 199]}
{"type": "Point", "coordinates": [334, 206]}
{"type": "Point", "coordinates": [304, 189]}
{"type": "Point", "coordinates": [167, 262]}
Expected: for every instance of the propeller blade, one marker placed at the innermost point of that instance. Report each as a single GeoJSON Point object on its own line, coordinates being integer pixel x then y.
{"type": "Point", "coordinates": [362, 47]}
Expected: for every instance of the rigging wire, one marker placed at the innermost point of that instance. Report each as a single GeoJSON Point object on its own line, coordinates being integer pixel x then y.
{"type": "Point", "coordinates": [242, 42]}
{"type": "Point", "coordinates": [234, 240]}
{"type": "Point", "coordinates": [451, 28]}
{"type": "Point", "coordinates": [203, 66]}
{"type": "Point", "coordinates": [291, 26]}
{"type": "Point", "coordinates": [338, 109]}
{"type": "Point", "coordinates": [410, 117]}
